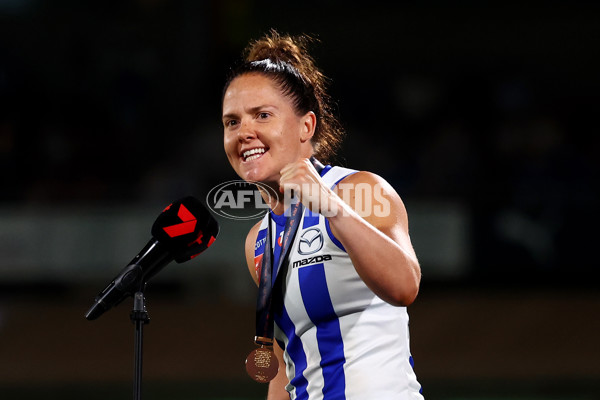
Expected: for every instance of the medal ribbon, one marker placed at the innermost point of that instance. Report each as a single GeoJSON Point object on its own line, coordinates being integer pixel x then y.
{"type": "Point", "coordinates": [267, 285]}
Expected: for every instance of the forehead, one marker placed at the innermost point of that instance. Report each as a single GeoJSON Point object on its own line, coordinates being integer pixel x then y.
{"type": "Point", "coordinates": [247, 89]}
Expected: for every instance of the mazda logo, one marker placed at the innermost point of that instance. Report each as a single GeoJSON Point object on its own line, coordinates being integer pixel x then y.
{"type": "Point", "coordinates": [311, 241]}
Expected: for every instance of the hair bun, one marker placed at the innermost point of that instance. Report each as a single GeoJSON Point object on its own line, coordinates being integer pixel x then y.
{"type": "Point", "coordinates": [280, 48]}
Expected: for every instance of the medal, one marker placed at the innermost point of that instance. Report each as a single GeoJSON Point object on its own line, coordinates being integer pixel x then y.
{"type": "Point", "coordinates": [262, 365]}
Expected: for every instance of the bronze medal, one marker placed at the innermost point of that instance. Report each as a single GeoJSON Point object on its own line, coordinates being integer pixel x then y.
{"type": "Point", "coordinates": [262, 365]}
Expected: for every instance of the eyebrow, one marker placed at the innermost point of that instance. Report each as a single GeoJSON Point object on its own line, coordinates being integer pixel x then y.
{"type": "Point", "coordinates": [251, 110]}
{"type": "Point", "coordinates": [229, 116]}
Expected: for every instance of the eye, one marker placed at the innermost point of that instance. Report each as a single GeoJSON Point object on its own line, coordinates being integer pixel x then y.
{"type": "Point", "coordinates": [230, 123]}
{"type": "Point", "coordinates": [263, 115]}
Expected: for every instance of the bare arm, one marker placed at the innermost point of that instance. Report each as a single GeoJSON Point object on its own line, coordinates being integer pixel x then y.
{"type": "Point", "coordinates": [389, 266]}
{"type": "Point", "coordinates": [374, 231]}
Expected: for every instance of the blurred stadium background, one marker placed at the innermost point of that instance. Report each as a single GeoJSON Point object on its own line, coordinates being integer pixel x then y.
{"type": "Point", "coordinates": [483, 117]}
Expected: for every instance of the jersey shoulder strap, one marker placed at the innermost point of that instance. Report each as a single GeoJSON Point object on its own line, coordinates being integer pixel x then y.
{"type": "Point", "coordinates": [335, 174]}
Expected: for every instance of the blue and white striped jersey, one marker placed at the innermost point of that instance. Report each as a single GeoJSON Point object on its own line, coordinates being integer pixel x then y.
{"type": "Point", "coordinates": [340, 340]}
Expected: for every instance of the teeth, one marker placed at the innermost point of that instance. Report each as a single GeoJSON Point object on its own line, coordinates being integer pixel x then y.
{"type": "Point", "coordinates": [253, 154]}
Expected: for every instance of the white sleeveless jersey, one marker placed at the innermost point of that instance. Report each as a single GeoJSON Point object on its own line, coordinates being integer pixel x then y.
{"type": "Point", "coordinates": [341, 341]}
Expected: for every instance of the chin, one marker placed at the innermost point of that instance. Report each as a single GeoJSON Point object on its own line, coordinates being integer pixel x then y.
{"type": "Point", "coordinates": [247, 174]}
{"type": "Point", "coordinates": [254, 176]}
{"type": "Point", "coordinates": [261, 175]}
{"type": "Point", "coordinates": [254, 171]}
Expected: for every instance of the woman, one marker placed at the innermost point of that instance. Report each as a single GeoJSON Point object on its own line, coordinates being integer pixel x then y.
{"type": "Point", "coordinates": [341, 325]}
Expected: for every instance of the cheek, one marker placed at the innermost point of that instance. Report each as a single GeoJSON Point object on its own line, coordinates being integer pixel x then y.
{"type": "Point", "coordinates": [288, 137]}
{"type": "Point", "coordinates": [230, 153]}
{"type": "Point", "coordinates": [228, 144]}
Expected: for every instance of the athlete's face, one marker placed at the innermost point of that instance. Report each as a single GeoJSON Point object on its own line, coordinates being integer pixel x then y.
{"type": "Point", "coordinates": [262, 132]}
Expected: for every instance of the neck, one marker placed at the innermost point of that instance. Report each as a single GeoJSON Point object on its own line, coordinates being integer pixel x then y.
{"type": "Point", "coordinates": [273, 197]}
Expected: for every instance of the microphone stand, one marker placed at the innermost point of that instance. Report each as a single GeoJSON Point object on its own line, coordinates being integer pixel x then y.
{"type": "Point", "coordinates": [139, 316]}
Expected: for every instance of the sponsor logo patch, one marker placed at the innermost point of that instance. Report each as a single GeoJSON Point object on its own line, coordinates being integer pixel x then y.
{"type": "Point", "coordinates": [311, 260]}
{"type": "Point", "coordinates": [311, 241]}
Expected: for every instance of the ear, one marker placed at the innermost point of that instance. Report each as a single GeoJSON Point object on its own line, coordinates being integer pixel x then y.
{"type": "Point", "coordinates": [309, 124]}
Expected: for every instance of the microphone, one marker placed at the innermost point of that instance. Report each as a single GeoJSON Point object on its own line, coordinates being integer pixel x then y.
{"type": "Point", "coordinates": [182, 231]}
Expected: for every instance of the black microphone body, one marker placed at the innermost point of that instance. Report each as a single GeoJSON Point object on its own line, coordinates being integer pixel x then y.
{"type": "Point", "coordinates": [181, 232]}
{"type": "Point", "coordinates": [153, 257]}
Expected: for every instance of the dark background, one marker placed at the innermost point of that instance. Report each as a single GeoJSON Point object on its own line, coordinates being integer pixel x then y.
{"type": "Point", "coordinates": [486, 115]}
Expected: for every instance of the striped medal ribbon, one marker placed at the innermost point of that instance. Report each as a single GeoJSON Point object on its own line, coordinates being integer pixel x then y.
{"type": "Point", "coordinates": [261, 363]}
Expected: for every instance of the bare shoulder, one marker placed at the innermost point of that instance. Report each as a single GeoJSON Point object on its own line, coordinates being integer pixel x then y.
{"type": "Point", "coordinates": [368, 178]}
{"type": "Point", "coordinates": [378, 203]}
{"type": "Point", "coordinates": [252, 234]}
{"type": "Point", "coordinates": [370, 195]}
{"type": "Point", "coordinates": [249, 249]}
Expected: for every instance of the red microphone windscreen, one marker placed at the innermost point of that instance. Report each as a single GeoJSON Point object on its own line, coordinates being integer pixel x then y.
{"type": "Point", "coordinates": [186, 227]}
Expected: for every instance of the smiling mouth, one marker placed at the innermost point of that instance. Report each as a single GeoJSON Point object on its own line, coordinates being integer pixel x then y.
{"type": "Point", "coordinates": [253, 154]}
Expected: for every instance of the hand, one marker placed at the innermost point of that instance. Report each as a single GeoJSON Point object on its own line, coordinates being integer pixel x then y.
{"type": "Point", "coordinates": [300, 179]}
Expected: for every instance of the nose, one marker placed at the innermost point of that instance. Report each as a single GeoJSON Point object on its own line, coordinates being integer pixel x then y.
{"type": "Point", "coordinates": [246, 132]}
